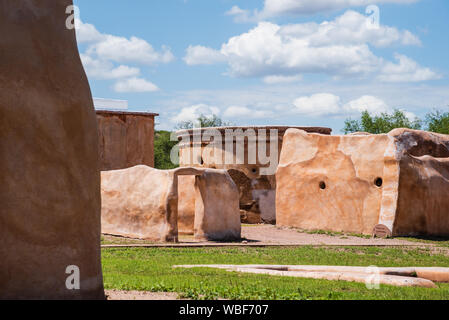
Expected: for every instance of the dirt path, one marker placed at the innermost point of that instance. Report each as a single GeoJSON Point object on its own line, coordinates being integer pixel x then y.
{"type": "Point", "coordinates": [287, 236]}
{"type": "Point", "coordinates": [270, 235]}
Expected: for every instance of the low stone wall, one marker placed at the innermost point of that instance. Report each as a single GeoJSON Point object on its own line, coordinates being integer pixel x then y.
{"type": "Point", "coordinates": [387, 184]}
{"type": "Point", "coordinates": [142, 202]}
{"type": "Point", "coordinates": [126, 139]}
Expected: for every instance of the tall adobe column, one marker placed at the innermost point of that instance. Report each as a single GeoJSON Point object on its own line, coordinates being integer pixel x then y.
{"type": "Point", "coordinates": [49, 168]}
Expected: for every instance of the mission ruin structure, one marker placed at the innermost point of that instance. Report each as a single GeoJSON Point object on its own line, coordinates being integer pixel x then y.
{"type": "Point", "coordinates": [383, 185]}
{"type": "Point", "coordinates": [250, 156]}
{"type": "Point", "coordinates": [69, 173]}
{"type": "Point", "coordinates": [386, 184]}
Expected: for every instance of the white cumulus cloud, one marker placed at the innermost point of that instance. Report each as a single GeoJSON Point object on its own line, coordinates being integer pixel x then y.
{"type": "Point", "coordinates": [245, 112]}
{"type": "Point", "coordinates": [340, 47]}
{"type": "Point", "coordinates": [101, 69]}
{"type": "Point", "coordinates": [86, 32]}
{"type": "Point", "coordinates": [318, 104]}
{"type": "Point", "coordinates": [327, 104]}
{"type": "Point", "coordinates": [192, 113]}
{"type": "Point", "coordinates": [239, 14]}
{"type": "Point", "coordinates": [203, 55]}
{"type": "Point", "coordinates": [265, 51]}
{"type": "Point", "coordinates": [275, 79]}
{"type": "Point", "coordinates": [134, 85]}
{"type": "Point", "coordinates": [349, 28]}
{"type": "Point", "coordinates": [274, 8]}
{"type": "Point", "coordinates": [106, 54]}
{"type": "Point", "coordinates": [119, 49]}
{"type": "Point", "coordinates": [406, 70]}
{"type": "Point", "coordinates": [365, 103]}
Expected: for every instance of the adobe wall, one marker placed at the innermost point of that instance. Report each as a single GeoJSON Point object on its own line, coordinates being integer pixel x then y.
{"type": "Point", "coordinates": [50, 190]}
{"type": "Point", "coordinates": [142, 202]}
{"type": "Point", "coordinates": [257, 190]}
{"type": "Point", "coordinates": [423, 202]}
{"type": "Point", "coordinates": [126, 139]}
{"type": "Point", "coordinates": [186, 205]}
{"type": "Point", "coordinates": [386, 184]}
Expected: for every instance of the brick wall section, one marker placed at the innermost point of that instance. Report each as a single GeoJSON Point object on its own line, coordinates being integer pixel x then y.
{"type": "Point", "coordinates": [126, 139]}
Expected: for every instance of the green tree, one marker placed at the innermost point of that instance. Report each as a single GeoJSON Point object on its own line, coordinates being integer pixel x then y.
{"type": "Point", "coordinates": [203, 122]}
{"type": "Point", "coordinates": [383, 123]}
{"type": "Point", "coordinates": [162, 148]}
{"type": "Point", "coordinates": [438, 121]}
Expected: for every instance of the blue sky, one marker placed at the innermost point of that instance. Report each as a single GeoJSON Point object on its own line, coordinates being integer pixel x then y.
{"type": "Point", "coordinates": [286, 62]}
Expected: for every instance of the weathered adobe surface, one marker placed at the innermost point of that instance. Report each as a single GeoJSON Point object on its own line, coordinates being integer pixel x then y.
{"type": "Point", "coordinates": [387, 184]}
{"type": "Point", "coordinates": [256, 189]}
{"type": "Point", "coordinates": [402, 276]}
{"type": "Point", "coordinates": [142, 202]}
{"type": "Point", "coordinates": [50, 190]}
{"type": "Point", "coordinates": [186, 205]}
{"type": "Point", "coordinates": [126, 139]}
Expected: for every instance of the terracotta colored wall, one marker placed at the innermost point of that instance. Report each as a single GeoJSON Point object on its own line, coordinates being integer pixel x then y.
{"type": "Point", "coordinates": [333, 183]}
{"type": "Point", "coordinates": [139, 202]}
{"type": "Point", "coordinates": [142, 202]}
{"type": "Point", "coordinates": [126, 139]}
{"type": "Point", "coordinates": [186, 204]}
{"type": "Point", "coordinates": [328, 182]}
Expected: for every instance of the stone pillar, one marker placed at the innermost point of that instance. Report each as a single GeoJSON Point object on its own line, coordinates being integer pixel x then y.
{"type": "Point", "coordinates": [50, 179]}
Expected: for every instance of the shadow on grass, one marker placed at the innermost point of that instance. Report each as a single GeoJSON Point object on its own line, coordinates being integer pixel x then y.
{"type": "Point", "coordinates": [425, 238]}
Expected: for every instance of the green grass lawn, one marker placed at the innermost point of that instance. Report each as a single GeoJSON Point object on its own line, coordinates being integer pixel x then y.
{"type": "Point", "coordinates": [150, 269]}
{"type": "Point", "coordinates": [438, 241]}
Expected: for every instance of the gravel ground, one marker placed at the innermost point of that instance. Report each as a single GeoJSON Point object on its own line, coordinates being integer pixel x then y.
{"type": "Point", "coordinates": [140, 295]}
{"type": "Point", "coordinates": [275, 235]}
{"type": "Point", "coordinates": [256, 235]}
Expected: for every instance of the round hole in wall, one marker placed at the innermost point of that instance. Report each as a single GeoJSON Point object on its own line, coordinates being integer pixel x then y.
{"type": "Point", "coordinates": [378, 182]}
{"type": "Point", "coordinates": [322, 185]}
